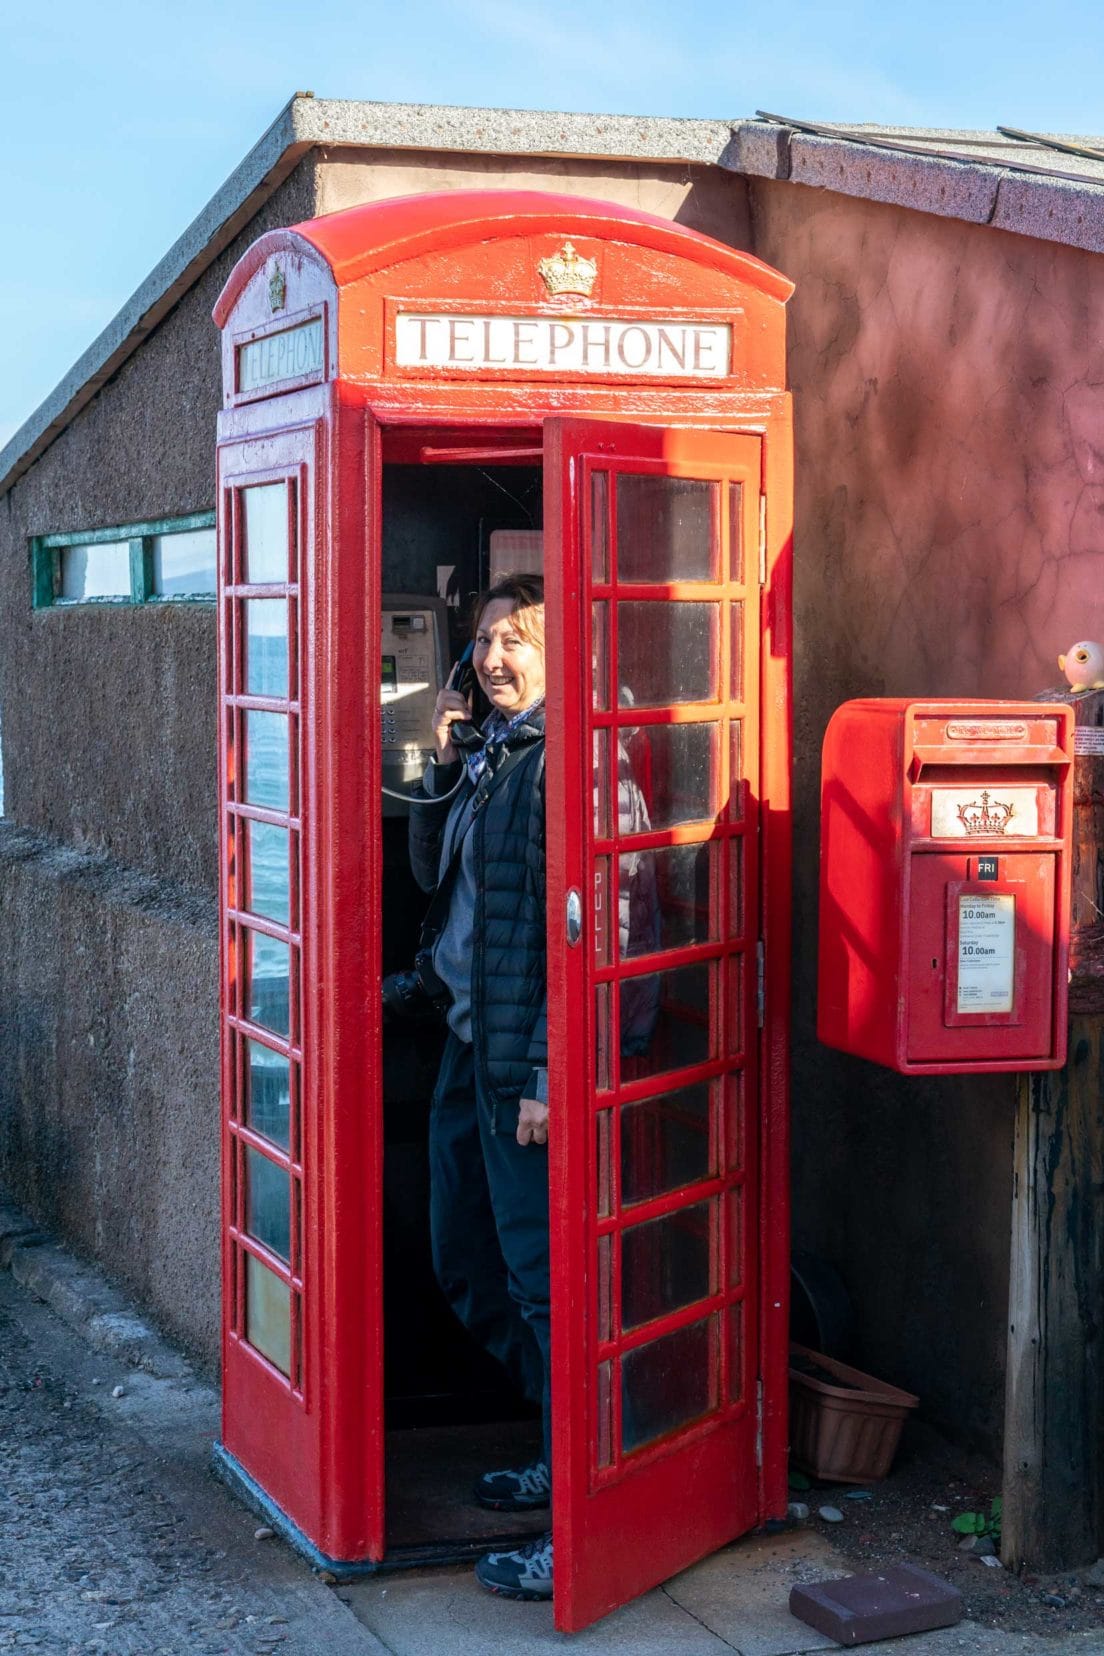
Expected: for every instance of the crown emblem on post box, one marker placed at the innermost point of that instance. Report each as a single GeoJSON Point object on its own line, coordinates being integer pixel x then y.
{"type": "Point", "coordinates": [980, 818]}
{"type": "Point", "coordinates": [568, 272]}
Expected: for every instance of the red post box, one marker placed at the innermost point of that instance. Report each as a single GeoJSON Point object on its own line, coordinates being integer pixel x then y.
{"type": "Point", "coordinates": [944, 884]}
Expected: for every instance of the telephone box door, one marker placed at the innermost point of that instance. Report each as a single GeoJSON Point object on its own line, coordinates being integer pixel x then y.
{"type": "Point", "coordinates": [654, 627]}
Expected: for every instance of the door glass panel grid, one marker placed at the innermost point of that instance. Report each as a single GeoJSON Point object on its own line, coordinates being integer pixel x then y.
{"type": "Point", "coordinates": [260, 620]}
{"type": "Point", "coordinates": [705, 1325]}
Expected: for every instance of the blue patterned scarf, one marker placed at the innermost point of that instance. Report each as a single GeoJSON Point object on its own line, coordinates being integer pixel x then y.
{"type": "Point", "coordinates": [496, 730]}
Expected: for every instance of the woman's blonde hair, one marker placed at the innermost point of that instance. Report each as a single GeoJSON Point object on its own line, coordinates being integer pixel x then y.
{"type": "Point", "coordinates": [526, 594]}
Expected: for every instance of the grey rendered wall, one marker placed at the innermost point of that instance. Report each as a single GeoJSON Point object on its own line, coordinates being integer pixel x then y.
{"type": "Point", "coordinates": [108, 867]}
{"type": "Point", "coordinates": [949, 397]}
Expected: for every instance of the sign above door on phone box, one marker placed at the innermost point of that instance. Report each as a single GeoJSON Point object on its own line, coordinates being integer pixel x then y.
{"type": "Point", "coordinates": [564, 345]}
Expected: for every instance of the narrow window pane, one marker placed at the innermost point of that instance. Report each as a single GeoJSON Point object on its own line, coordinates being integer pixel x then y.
{"type": "Point", "coordinates": [602, 1038]}
{"type": "Point", "coordinates": [736, 531]}
{"type": "Point", "coordinates": [266, 647]}
{"type": "Point", "coordinates": [736, 1236]}
{"type": "Point", "coordinates": [269, 871]}
{"type": "Point", "coordinates": [736, 784]}
{"type": "Point", "coordinates": [737, 990]}
{"type": "Point", "coordinates": [737, 1358]}
{"type": "Point", "coordinates": [100, 569]}
{"type": "Point", "coordinates": [735, 1136]}
{"type": "Point", "coordinates": [268, 964]}
{"type": "Point", "coordinates": [267, 780]}
{"type": "Point", "coordinates": [268, 1093]}
{"type": "Point", "coordinates": [665, 1264]}
{"type": "Point", "coordinates": [674, 767]}
{"type": "Point", "coordinates": [736, 660]}
{"type": "Point", "coordinates": [599, 525]}
{"type": "Point", "coordinates": [184, 563]}
{"type": "Point", "coordinates": [265, 520]}
{"type": "Point", "coordinates": [605, 1414]}
{"type": "Point", "coordinates": [601, 784]}
{"type": "Point", "coordinates": [268, 1202]}
{"type": "Point", "coordinates": [665, 1021]}
{"type": "Point", "coordinates": [605, 1287]}
{"type": "Point", "coordinates": [600, 654]}
{"type": "Point", "coordinates": [666, 653]}
{"type": "Point", "coordinates": [736, 888]}
{"type": "Point", "coordinates": [665, 529]}
{"type": "Point", "coordinates": [668, 1383]}
{"type": "Point", "coordinates": [665, 1143]}
{"type": "Point", "coordinates": [268, 1313]}
{"type": "Point", "coordinates": [604, 1122]}
{"type": "Point", "coordinates": [666, 899]}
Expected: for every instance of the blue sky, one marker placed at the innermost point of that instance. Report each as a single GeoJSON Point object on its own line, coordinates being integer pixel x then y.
{"type": "Point", "coordinates": [119, 119]}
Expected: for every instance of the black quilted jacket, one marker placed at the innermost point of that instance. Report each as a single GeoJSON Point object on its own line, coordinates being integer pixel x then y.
{"type": "Point", "coordinates": [509, 1001]}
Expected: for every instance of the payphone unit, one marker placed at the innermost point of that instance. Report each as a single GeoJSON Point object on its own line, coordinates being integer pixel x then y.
{"type": "Point", "coordinates": [413, 667]}
{"type": "Point", "coordinates": [944, 884]}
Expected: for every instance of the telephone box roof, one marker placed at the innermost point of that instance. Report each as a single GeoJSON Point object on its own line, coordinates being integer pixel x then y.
{"type": "Point", "coordinates": [377, 234]}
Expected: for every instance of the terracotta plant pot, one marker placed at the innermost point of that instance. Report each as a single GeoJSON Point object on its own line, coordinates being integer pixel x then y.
{"type": "Point", "coordinates": [845, 1433]}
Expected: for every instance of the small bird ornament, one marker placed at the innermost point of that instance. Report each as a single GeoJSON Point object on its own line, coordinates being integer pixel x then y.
{"type": "Point", "coordinates": [1083, 665]}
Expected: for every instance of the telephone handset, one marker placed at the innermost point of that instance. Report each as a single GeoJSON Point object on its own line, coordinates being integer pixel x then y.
{"type": "Point", "coordinates": [463, 732]}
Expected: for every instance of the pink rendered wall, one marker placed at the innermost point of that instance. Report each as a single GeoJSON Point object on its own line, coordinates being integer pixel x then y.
{"type": "Point", "coordinates": [948, 386]}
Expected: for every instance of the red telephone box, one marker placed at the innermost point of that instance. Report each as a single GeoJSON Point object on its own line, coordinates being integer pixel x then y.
{"type": "Point", "coordinates": [614, 383]}
{"type": "Point", "coordinates": [945, 884]}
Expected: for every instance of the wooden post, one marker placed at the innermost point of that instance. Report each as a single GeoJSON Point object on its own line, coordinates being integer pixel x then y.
{"type": "Point", "coordinates": [1053, 1504]}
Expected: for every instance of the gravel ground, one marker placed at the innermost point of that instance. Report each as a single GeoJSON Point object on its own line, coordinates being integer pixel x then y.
{"type": "Point", "coordinates": [114, 1538]}
{"type": "Point", "coordinates": [908, 1516]}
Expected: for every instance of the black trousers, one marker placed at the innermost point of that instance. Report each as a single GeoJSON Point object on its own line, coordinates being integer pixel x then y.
{"type": "Point", "coordinates": [489, 1223]}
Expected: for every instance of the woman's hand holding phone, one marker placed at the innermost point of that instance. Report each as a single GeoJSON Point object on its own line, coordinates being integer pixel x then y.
{"type": "Point", "coordinates": [451, 707]}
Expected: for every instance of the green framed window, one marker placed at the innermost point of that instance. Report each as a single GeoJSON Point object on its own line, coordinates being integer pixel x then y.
{"type": "Point", "coordinates": [168, 560]}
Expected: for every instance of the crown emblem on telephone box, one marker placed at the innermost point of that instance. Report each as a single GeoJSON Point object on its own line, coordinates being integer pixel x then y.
{"type": "Point", "coordinates": [980, 818]}
{"type": "Point", "coordinates": [277, 289]}
{"type": "Point", "coordinates": [568, 272]}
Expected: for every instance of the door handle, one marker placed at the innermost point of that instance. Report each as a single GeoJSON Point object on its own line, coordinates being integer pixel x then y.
{"type": "Point", "coordinates": [574, 918]}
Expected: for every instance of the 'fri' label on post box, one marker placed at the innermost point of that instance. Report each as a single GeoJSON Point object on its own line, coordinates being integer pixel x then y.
{"type": "Point", "coordinates": [986, 953]}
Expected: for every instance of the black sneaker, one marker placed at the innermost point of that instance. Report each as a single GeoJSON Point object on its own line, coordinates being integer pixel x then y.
{"type": "Point", "coordinates": [524, 1574]}
{"type": "Point", "coordinates": [517, 1489]}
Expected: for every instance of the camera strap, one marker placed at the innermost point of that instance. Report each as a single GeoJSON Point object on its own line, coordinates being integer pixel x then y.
{"type": "Point", "coordinates": [437, 913]}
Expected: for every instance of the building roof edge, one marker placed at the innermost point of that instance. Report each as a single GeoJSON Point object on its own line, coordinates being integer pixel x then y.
{"type": "Point", "coordinates": [1029, 200]}
{"type": "Point", "coordinates": [980, 191]}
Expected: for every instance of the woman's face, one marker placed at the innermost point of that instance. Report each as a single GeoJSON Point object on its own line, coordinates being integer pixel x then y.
{"type": "Point", "coordinates": [509, 666]}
